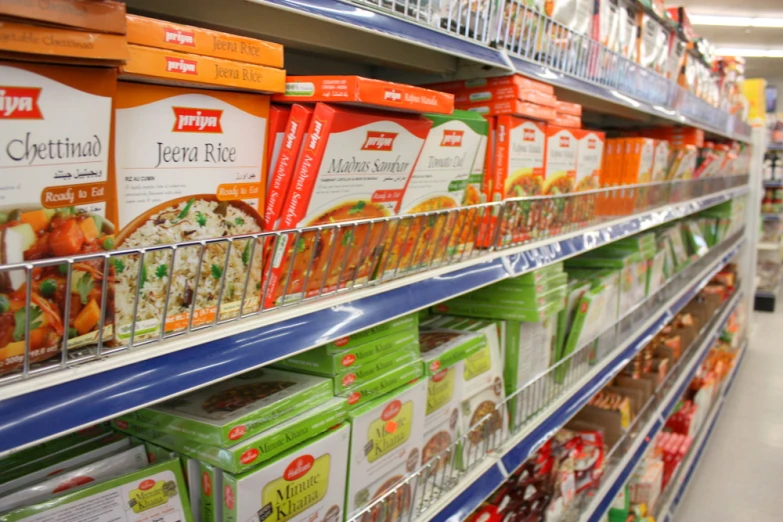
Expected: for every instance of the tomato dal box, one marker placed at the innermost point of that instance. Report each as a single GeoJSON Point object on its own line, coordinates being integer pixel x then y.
{"type": "Point", "coordinates": [230, 411]}
{"type": "Point", "coordinates": [355, 165]}
{"type": "Point", "coordinates": [305, 484]}
{"type": "Point", "coordinates": [365, 92]}
{"type": "Point", "coordinates": [156, 492]}
{"type": "Point", "coordinates": [386, 443]}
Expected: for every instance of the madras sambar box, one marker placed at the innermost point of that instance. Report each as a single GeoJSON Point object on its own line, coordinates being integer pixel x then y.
{"type": "Point", "coordinates": [354, 165]}
{"type": "Point", "coordinates": [229, 411]}
{"type": "Point", "coordinates": [305, 484]}
{"type": "Point", "coordinates": [386, 444]}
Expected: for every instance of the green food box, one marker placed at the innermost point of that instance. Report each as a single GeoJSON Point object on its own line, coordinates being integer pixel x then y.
{"type": "Point", "coordinates": [386, 445]}
{"type": "Point", "coordinates": [238, 408]}
{"type": "Point", "coordinates": [494, 311]}
{"type": "Point", "coordinates": [633, 269]}
{"type": "Point", "coordinates": [210, 493]}
{"type": "Point", "coordinates": [384, 384]}
{"type": "Point", "coordinates": [656, 275]}
{"type": "Point", "coordinates": [408, 322]}
{"type": "Point", "coordinates": [441, 348]}
{"type": "Point", "coordinates": [307, 483]}
{"type": "Point", "coordinates": [156, 492]}
{"type": "Point", "coordinates": [254, 451]}
{"type": "Point", "coordinates": [565, 318]}
{"type": "Point", "coordinates": [540, 274]}
{"type": "Point", "coordinates": [320, 361]}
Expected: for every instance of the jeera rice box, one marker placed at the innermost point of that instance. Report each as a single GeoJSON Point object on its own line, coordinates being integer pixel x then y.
{"type": "Point", "coordinates": [154, 493]}
{"type": "Point", "coordinates": [307, 484]}
{"type": "Point", "coordinates": [386, 440]}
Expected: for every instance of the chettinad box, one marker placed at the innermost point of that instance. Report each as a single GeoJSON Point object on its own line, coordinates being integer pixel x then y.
{"type": "Point", "coordinates": [365, 92]}
{"type": "Point", "coordinates": [50, 44]}
{"type": "Point", "coordinates": [104, 17]}
{"type": "Point", "coordinates": [305, 484]}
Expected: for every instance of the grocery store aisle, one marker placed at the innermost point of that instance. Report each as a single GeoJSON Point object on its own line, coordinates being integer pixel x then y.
{"type": "Point", "coordinates": [739, 477]}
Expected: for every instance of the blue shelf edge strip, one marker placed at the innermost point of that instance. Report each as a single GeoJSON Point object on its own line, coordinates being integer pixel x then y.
{"type": "Point", "coordinates": [44, 413]}
{"type": "Point", "coordinates": [467, 501]}
{"type": "Point", "coordinates": [610, 493]}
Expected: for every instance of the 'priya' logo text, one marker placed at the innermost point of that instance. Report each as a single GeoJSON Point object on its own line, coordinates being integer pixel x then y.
{"type": "Point", "coordinates": [392, 95]}
{"type": "Point", "coordinates": [189, 119]}
{"type": "Point", "coordinates": [452, 138]}
{"type": "Point", "coordinates": [181, 66]}
{"type": "Point", "coordinates": [379, 141]}
{"type": "Point", "coordinates": [176, 36]}
{"type": "Point", "coordinates": [20, 103]}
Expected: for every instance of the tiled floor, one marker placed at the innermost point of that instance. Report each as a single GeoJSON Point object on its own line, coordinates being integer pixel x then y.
{"type": "Point", "coordinates": [740, 477]}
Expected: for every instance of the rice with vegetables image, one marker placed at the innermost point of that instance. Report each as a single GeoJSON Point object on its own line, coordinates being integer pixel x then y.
{"type": "Point", "coordinates": [225, 270]}
{"type": "Point", "coordinates": [37, 234]}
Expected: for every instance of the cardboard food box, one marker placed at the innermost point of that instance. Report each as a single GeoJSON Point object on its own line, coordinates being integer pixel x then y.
{"type": "Point", "coordinates": [35, 471]}
{"type": "Point", "coordinates": [442, 347]}
{"type": "Point", "coordinates": [365, 92]}
{"type": "Point", "coordinates": [442, 417]}
{"type": "Point", "coordinates": [485, 310]}
{"type": "Point", "coordinates": [356, 376]}
{"type": "Point", "coordinates": [438, 182]}
{"type": "Point", "coordinates": [148, 64]}
{"type": "Point", "coordinates": [590, 152]}
{"type": "Point", "coordinates": [278, 120]}
{"type": "Point", "coordinates": [406, 323]}
{"type": "Point", "coordinates": [57, 203]}
{"type": "Point", "coordinates": [157, 492]}
{"type": "Point", "coordinates": [210, 504]}
{"type": "Point", "coordinates": [36, 43]}
{"type": "Point", "coordinates": [514, 80]}
{"type": "Point", "coordinates": [506, 93]}
{"type": "Point", "coordinates": [253, 451]}
{"type": "Point", "coordinates": [307, 483]}
{"type": "Point", "coordinates": [383, 384]}
{"type": "Point", "coordinates": [386, 445]}
{"type": "Point", "coordinates": [355, 165]}
{"type": "Point", "coordinates": [566, 120]}
{"type": "Point", "coordinates": [235, 409]}
{"type": "Point", "coordinates": [218, 139]}
{"type": "Point", "coordinates": [319, 361]}
{"type": "Point", "coordinates": [521, 153]}
{"type": "Point", "coordinates": [282, 168]}
{"type": "Point", "coordinates": [565, 319]}
{"type": "Point", "coordinates": [100, 470]}
{"type": "Point", "coordinates": [161, 34]}
{"type": "Point", "coordinates": [518, 108]}
{"type": "Point", "coordinates": [104, 17]}
{"type": "Point", "coordinates": [573, 109]}
{"type": "Point", "coordinates": [562, 147]}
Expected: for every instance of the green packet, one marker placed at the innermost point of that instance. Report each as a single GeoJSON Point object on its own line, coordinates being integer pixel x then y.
{"type": "Point", "coordinates": [542, 287]}
{"type": "Point", "coordinates": [355, 376]}
{"type": "Point", "coordinates": [320, 361]}
{"type": "Point", "coordinates": [408, 322]}
{"type": "Point", "coordinates": [156, 492]}
{"type": "Point", "coordinates": [384, 384]}
{"type": "Point", "coordinates": [253, 451]}
{"type": "Point", "coordinates": [540, 274]}
{"type": "Point", "coordinates": [565, 319]}
{"type": "Point", "coordinates": [235, 409]}
{"type": "Point", "coordinates": [442, 347]}
{"type": "Point", "coordinates": [496, 311]}
{"type": "Point", "coordinates": [524, 297]}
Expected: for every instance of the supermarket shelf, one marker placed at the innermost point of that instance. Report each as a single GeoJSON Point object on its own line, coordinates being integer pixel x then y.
{"type": "Point", "coordinates": [103, 389]}
{"type": "Point", "coordinates": [773, 183]}
{"type": "Point", "coordinates": [769, 246]}
{"type": "Point", "coordinates": [364, 35]}
{"type": "Point", "coordinates": [678, 487]}
{"type": "Point", "coordinates": [613, 482]}
{"type": "Point", "coordinates": [459, 502]}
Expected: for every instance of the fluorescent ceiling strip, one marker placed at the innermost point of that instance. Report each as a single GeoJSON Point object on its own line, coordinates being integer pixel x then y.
{"type": "Point", "coordinates": [735, 21]}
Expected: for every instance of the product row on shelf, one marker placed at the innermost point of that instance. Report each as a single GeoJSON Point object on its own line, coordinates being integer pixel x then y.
{"type": "Point", "coordinates": [187, 206]}
{"type": "Point", "coordinates": [379, 424]}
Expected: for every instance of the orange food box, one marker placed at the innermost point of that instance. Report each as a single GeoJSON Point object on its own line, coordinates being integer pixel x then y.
{"type": "Point", "coordinates": [574, 109]}
{"type": "Point", "coordinates": [683, 162]}
{"type": "Point", "coordinates": [355, 165]}
{"type": "Point", "coordinates": [283, 169]}
{"type": "Point", "coordinates": [278, 119]}
{"type": "Point", "coordinates": [190, 70]}
{"type": "Point", "coordinates": [514, 80]}
{"type": "Point", "coordinates": [509, 93]}
{"type": "Point", "coordinates": [561, 157]}
{"type": "Point", "coordinates": [55, 125]}
{"type": "Point", "coordinates": [639, 160]}
{"type": "Point", "coordinates": [365, 92]}
{"type": "Point", "coordinates": [150, 32]}
{"type": "Point", "coordinates": [101, 17]}
{"type": "Point", "coordinates": [566, 120]}
{"type": "Point", "coordinates": [188, 165]}
{"type": "Point", "coordinates": [514, 107]}
{"type": "Point", "coordinates": [45, 43]}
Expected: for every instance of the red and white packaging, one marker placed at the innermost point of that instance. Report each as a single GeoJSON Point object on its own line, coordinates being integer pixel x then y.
{"type": "Point", "coordinates": [661, 160]}
{"type": "Point", "coordinates": [560, 165]}
{"type": "Point", "coordinates": [514, 80]}
{"type": "Point", "coordinates": [278, 118]}
{"type": "Point", "coordinates": [513, 107]}
{"type": "Point", "coordinates": [567, 120]}
{"type": "Point", "coordinates": [509, 93]}
{"type": "Point", "coordinates": [589, 159]}
{"type": "Point", "coordinates": [283, 169]}
{"type": "Point", "coordinates": [354, 165]}
{"type": "Point", "coordinates": [574, 109]}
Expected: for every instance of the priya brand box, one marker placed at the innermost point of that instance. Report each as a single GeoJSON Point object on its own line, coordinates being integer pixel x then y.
{"type": "Point", "coordinates": [355, 165]}
{"type": "Point", "coordinates": [590, 153]}
{"type": "Point", "coordinates": [278, 119]}
{"type": "Point", "coordinates": [150, 32]}
{"type": "Point", "coordinates": [513, 80]}
{"type": "Point", "coordinates": [56, 45]}
{"type": "Point", "coordinates": [365, 92]}
{"type": "Point", "coordinates": [306, 484]}
{"type": "Point", "coordinates": [104, 17]}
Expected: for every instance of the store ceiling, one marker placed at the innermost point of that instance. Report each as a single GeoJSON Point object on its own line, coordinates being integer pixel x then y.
{"type": "Point", "coordinates": [743, 37]}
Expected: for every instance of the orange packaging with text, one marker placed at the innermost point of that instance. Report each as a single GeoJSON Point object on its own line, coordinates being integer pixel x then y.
{"type": "Point", "coordinates": [55, 127]}
{"type": "Point", "coordinates": [567, 120]}
{"type": "Point", "coordinates": [188, 166]}
{"type": "Point", "coordinates": [513, 80]}
{"type": "Point", "coordinates": [190, 70]}
{"type": "Point", "coordinates": [511, 107]}
{"type": "Point", "coordinates": [488, 220]}
{"type": "Point", "coordinates": [52, 44]}
{"type": "Point", "coordinates": [150, 32]}
{"type": "Point", "coordinates": [278, 119]}
{"type": "Point", "coordinates": [499, 94]}
{"type": "Point", "coordinates": [283, 170]}
{"type": "Point", "coordinates": [574, 109]}
{"type": "Point", "coordinates": [365, 92]}
{"type": "Point", "coordinates": [101, 17]}
{"type": "Point", "coordinates": [354, 165]}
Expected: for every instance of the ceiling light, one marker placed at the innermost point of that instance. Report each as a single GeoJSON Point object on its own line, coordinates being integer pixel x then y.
{"type": "Point", "coordinates": [735, 21]}
{"type": "Point", "coordinates": [750, 53]}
